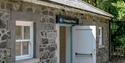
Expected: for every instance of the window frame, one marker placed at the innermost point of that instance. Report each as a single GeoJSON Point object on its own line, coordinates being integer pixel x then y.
{"type": "Point", "coordinates": [30, 47]}
{"type": "Point", "coordinates": [101, 42]}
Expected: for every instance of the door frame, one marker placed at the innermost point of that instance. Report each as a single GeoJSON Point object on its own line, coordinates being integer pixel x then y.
{"type": "Point", "coordinates": [58, 40]}
{"type": "Point", "coordinates": [94, 44]}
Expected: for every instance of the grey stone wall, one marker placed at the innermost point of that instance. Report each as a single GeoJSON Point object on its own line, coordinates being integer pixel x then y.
{"type": "Point", "coordinates": [46, 21]}
{"type": "Point", "coordinates": [48, 35]}
{"type": "Point", "coordinates": [4, 36]}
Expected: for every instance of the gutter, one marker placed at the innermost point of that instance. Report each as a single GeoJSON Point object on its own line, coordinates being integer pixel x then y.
{"type": "Point", "coordinates": [110, 32]}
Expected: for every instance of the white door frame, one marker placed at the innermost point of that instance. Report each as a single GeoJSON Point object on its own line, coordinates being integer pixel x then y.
{"type": "Point", "coordinates": [58, 39]}
{"type": "Point", "coordinates": [94, 44]}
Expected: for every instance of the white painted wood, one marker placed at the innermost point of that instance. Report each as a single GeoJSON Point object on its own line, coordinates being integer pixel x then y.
{"type": "Point", "coordinates": [84, 42]}
{"type": "Point", "coordinates": [58, 44]}
{"type": "Point", "coordinates": [24, 23]}
{"type": "Point", "coordinates": [30, 24]}
{"type": "Point", "coordinates": [68, 44]}
{"type": "Point", "coordinates": [23, 40]}
{"type": "Point", "coordinates": [31, 39]}
{"type": "Point", "coordinates": [101, 44]}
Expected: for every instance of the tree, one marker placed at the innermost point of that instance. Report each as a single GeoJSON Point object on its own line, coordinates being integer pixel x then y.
{"type": "Point", "coordinates": [120, 8]}
{"type": "Point", "coordinates": [92, 2]}
{"type": "Point", "coordinates": [115, 7]}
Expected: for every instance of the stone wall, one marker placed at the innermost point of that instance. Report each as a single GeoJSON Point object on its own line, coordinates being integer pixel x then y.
{"type": "Point", "coordinates": [47, 43]}
{"type": "Point", "coordinates": [48, 35]}
{"type": "Point", "coordinates": [4, 36]}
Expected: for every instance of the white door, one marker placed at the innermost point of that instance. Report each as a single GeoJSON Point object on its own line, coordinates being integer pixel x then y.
{"type": "Point", "coordinates": [84, 44]}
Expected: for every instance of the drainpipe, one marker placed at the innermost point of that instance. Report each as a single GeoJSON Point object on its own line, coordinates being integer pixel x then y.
{"type": "Point", "coordinates": [110, 38]}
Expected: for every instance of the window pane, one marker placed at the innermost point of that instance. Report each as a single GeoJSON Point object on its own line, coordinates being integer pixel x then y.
{"type": "Point", "coordinates": [18, 32]}
{"type": "Point", "coordinates": [18, 48]}
{"type": "Point", "coordinates": [26, 32]}
{"type": "Point", "coordinates": [25, 48]}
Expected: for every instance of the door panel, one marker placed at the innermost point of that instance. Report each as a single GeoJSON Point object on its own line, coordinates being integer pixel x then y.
{"type": "Point", "coordinates": [84, 59]}
{"type": "Point", "coordinates": [84, 44]}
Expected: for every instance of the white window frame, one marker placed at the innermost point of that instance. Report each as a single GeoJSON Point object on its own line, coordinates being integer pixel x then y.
{"type": "Point", "coordinates": [30, 55]}
{"type": "Point", "coordinates": [101, 44]}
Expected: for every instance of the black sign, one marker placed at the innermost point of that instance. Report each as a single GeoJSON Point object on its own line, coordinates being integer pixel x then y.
{"type": "Point", "coordinates": [66, 20]}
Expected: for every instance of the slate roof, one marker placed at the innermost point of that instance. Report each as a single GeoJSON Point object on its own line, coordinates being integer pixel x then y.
{"type": "Point", "coordinates": [75, 4]}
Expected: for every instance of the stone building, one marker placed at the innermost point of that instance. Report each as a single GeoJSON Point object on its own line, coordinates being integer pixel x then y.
{"type": "Point", "coordinates": [53, 31]}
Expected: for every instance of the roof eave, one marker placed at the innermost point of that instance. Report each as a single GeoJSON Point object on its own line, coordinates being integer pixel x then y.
{"type": "Point", "coordinates": [82, 6]}
{"type": "Point", "coordinates": [59, 6]}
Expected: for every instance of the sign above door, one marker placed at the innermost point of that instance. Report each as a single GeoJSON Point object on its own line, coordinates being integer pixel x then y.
{"type": "Point", "coordinates": [66, 20]}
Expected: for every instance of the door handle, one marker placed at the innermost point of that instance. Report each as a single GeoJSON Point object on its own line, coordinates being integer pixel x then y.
{"type": "Point", "coordinates": [82, 54]}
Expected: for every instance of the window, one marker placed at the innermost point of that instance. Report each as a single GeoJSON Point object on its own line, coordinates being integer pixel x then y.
{"type": "Point", "coordinates": [101, 43]}
{"type": "Point", "coordinates": [24, 40]}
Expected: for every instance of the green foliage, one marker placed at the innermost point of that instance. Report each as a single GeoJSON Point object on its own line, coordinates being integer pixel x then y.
{"type": "Point", "coordinates": [115, 7]}
{"type": "Point", "coordinates": [118, 34]}
{"type": "Point", "coordinates": [91, 2]}
{"type": "Point", "coordinates": [120, 8]}
{"type": "Point", "coordinates": [104, 5]}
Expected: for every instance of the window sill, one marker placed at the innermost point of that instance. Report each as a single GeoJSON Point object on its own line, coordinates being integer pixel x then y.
{"type": "Point", "coordinates": [33, 60]}
{"type": "Point", "coordinates": [23, 57]}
